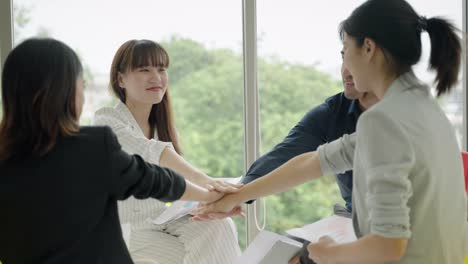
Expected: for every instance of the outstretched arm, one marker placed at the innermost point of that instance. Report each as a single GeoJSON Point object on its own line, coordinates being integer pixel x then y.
{"type": "Point", "coordinates": [296, 171]}
{"type": "Point", "coordinates": [306, 136]}
{"type": "Point", "coordinates": [131, 175]}
{"type": "Point", "coordinates": [157, 152]}
{"type": "Point", "coordinates": [330, 158]}
{"type": "Point", "coordinates": [171, 159]}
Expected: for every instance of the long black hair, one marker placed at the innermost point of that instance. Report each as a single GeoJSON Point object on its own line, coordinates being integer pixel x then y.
{"type": "Point", "coordinates": [38, 93]}
{"type": "Point", "coordinates": [396, 27]}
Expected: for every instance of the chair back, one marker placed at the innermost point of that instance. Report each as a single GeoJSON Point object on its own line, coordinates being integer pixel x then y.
{"type": "Point", "coordinates": [465, 168]}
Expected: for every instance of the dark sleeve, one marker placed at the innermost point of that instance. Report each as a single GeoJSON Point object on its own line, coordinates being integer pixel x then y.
{"type": "Point", "coordinates": [304, 254]}
{"type": "Point", "coordinates": [306, 136]}
{"type": "Point", "coordinates": [131, 175]}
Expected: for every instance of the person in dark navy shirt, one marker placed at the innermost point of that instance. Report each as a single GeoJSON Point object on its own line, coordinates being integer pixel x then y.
{"type": "Point", "coordinates": [330, 120]}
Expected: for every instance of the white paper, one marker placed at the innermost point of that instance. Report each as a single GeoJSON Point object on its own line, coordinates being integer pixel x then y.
{"type": "Point", "coordinates": [175, 211]}
{"type": "Point", "coordinates": [261, 246]}
{"type": "Point", "coordinates": [338, 228]}
{"type": "Point", "coordinates": [282, 252]}
{"type": "Point", "coordinates": [179, 209]}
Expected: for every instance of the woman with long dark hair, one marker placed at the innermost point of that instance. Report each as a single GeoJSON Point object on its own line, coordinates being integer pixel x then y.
{"type": "Point", "coordinates": [59, 182]}
{"type": "Point", "coordinates": [144, 125]}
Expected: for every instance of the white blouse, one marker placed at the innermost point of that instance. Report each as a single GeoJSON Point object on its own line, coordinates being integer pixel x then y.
{"type": "Point", "coordinates": [176, 242]}
{"type": "Point", "coordinates": [129, 133]}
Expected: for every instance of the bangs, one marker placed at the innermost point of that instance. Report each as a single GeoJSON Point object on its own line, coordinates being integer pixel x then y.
{"type": "Point", "coordinates": [147, 53]}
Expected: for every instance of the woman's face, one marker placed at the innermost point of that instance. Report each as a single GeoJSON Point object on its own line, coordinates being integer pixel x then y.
{"type": "Point", "coordinates": [79, 97]}
{"type": "Point", "coordinates": [354, 60]}
{"type": "Point", "coordinates": [144, 85]}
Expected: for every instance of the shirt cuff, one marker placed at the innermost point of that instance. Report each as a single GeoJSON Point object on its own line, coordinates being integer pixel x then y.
{"type": "Point", "coordinates": [337, 156]}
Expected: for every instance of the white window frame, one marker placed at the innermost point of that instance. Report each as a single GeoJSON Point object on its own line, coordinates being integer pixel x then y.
{"type": "Point", "coordinates": [6, 29]}
{"type": "Point", "coordinates": [251, 107]}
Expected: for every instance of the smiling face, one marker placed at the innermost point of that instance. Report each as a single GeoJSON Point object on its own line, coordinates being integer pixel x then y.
{"type": "Point", "coordinates": [355, 61]}
{"type": "Point", "coordinates": [139, 73]}
{"type": "Point", "coordinates": [350, 90]}
{"type": "Point", "coordinates": [144, 85]}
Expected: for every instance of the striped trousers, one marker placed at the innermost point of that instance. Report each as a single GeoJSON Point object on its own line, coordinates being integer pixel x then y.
{"type": "Point", "coordinates": [180, 241]}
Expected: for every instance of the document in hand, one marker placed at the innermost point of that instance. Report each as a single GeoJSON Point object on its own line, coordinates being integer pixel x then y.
{"type": "Point", "coordinates": [338, 228]}
{"type": "Point", "coordinates": [175, 211]}
{"type": "Point", "coordinates": [270, 248]}
{"type": "Point", "coordinates": [181, 208]}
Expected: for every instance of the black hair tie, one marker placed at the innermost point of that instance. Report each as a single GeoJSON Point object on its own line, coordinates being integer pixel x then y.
{"type": "Point", "coordinates": [422, 23]}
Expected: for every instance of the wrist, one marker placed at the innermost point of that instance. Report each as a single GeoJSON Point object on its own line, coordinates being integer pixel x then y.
{"type": "Point", "coordinates": [234, 198]}
{"type": "Point", "coordinates": [208, 196]}
{"type": "Point", "coordinates": [205, 195]}
{"type": "Point", "coordinates": [200, 178]}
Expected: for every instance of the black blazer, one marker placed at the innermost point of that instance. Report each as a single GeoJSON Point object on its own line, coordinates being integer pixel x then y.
{"type": "Point", "coordinates": [62, 207]}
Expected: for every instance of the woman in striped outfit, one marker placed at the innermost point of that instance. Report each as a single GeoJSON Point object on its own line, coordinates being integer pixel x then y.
{"type": "Point", "coordinates": [144, 125]}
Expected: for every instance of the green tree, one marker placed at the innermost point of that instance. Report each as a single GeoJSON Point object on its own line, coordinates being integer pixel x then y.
{"type": "Point", "coordinates": [21, 18]}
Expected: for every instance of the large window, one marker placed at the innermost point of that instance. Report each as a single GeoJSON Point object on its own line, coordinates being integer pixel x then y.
{"type": "Point", "coordinates": [298, 68]}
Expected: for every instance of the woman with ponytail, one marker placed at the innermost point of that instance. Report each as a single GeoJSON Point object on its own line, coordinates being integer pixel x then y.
{"type": "Point", "coordinates": [409, 202]}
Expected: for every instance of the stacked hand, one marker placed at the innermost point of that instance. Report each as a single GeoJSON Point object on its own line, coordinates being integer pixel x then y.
{"type": "Point", "coordinates": [224, 207]}
{"type": "Point", "coordinates": [215, 188]}
{"type": "Point", "coordinates": [220, 185]}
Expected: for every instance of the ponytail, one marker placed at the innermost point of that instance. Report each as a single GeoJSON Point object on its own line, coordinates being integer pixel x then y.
{"type": "Point", "coordinates": [445, 53]}
{"type": "Point", "coordinates": [396, 27]}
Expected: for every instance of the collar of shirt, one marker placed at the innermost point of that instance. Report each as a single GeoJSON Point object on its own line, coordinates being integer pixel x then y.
{"type": "Point", "coordinates": [123, 110]}
{"type": "Point", "coordinates": [405, 81]}
{"type": "Point", "coordinates": [354, 108]}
